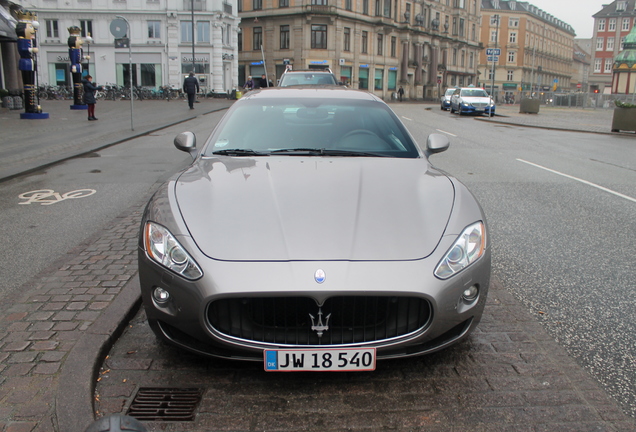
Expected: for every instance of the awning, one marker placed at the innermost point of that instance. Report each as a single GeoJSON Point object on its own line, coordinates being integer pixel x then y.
{"type": "Point", "coordinates": [7, 26]}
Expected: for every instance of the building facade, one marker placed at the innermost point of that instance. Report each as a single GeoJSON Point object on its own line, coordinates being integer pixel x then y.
{"type": "Point", "coordinates": [582, 61]}
{"type": "Point", "coordinates": [161, 38]}
{"type": "Point", "coordinates": [535, 49]}
{"type": "Point", "coordinates": [376, 45]}
{"type": "Point", "coordinates": [612, 24]}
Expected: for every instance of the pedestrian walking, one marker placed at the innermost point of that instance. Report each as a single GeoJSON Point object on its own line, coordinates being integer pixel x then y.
{"type": "Point", "coordinates": [89, 95]}
{"type": "Point", "coordinates": [191, 88]}
{"type": "Point", "coordinates": [400, 93]}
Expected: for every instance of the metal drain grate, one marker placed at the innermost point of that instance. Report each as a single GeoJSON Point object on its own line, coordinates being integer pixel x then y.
{"type": "Point", "coordinates": [165, 404]}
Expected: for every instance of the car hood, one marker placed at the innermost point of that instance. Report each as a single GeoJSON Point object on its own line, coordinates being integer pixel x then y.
{"type": "Point", "coordinates": [304, 208]}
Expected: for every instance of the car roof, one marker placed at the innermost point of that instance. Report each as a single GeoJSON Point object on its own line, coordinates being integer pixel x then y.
{"type": "Point", "coordinates": [334, 92]}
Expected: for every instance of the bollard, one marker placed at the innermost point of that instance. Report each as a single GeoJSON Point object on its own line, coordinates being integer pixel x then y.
{"type": "Point", "coordinates": [117, 423]}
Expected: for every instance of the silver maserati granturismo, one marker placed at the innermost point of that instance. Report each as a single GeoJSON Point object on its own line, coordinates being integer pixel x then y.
{"type": "Point", "coordinates": [311, 233]}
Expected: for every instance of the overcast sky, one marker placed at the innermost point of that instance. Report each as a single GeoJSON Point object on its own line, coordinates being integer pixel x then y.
{"type": "Point", "coordinates": [577, 13]}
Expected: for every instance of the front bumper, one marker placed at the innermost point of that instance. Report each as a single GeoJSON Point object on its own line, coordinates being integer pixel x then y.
{"type": "Point", "coordinates": [188, 318]}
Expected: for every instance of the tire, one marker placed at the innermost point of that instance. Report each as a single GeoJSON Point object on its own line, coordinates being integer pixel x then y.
{"type": "Point", "coordinates": [459, 110]}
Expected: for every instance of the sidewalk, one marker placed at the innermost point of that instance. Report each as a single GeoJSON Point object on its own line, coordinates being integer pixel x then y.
{"type": "Point", "coordinates": [56, 329]}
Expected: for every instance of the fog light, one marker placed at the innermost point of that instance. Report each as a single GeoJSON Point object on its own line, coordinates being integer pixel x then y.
{"type": "Point", "coordinates": [471, 293]}
{"type": "Point", "coordinates": [160, 295]}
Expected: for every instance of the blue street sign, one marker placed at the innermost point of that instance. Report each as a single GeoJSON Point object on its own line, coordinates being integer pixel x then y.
{"type": "Point", "coordinates": [493, 51]}
{"type": "Point", "coordinates": [493, 59]}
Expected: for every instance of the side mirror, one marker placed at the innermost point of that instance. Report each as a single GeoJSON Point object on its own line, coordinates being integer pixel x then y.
{"type": "Point", "coordinates": [187, 142]}
{"type": "Point", "coordinates": [436, 143]}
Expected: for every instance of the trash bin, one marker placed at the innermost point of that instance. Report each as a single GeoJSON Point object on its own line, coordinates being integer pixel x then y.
{"type": "Point", "coordinates": [239, 94]}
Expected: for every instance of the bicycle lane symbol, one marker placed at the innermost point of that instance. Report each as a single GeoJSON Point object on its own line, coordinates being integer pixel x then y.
{"type": "Point", "coordinates": [49, 196]}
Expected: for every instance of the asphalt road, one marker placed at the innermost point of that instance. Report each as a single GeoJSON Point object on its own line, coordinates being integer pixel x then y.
{"type": "Point", "coordinates": [560, 207]}
{"type": "Point", "coordinates": [42, 232]}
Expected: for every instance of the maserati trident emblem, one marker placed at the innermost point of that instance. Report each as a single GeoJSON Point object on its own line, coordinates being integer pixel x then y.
{"type": "Point", "coordinates": [320, 276]}
{"type": "Point", "coordinates": [319, 327]}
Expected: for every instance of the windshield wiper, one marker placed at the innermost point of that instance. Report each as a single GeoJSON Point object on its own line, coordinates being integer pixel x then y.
{"type": "Point", "coordinates": [325, 152]}
{"type": "Point", "coordinates": [240, 152]}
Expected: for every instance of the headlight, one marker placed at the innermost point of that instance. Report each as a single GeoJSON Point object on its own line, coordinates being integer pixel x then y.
{"type": "Point", "coordinates": [164, 249]}
{"type": "Point", "coordinates": [467, 249]}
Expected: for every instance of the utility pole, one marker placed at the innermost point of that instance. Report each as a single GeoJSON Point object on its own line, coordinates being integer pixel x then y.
{"type": "Point", "coordinates": [494, 60]}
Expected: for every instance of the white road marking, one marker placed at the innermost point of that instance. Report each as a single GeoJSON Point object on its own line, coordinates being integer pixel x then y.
{"type": "Point", "coordinates": [48, 196]}
{"type": "Point", "coordinates": [447, 133]}
{"type": "Point", "coordinates": [618, 194]}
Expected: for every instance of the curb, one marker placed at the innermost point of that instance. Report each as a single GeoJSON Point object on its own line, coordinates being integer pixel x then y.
{"type": "Point", "coordinates": [74, 409]}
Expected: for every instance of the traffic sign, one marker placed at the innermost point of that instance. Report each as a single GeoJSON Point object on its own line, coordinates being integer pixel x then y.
{"type": "Point", "coordinates": [493, 59]}
{"type": "Point", "coordinates": [493, 51]}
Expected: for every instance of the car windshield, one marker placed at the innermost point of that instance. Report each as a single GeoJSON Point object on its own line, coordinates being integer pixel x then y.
{"type": "Point", "coordinates": [475, 93]}
{"type": "Point", "coordinates": [299, 79]}
{"type": "Point", "coordinates": [449, 92]}
{"type": "Point", "coordinates": [311, 127]}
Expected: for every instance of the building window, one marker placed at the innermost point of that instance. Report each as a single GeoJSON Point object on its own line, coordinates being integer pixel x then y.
{"type": "Point", "coordinates": [494, 19]}
{"type": "Point", "coordinates": [378, 10]}
{"type": "Point", "coordinates": [473, 32]}
{"type": "Point", "coordinates": [513, 37]}
{"type": "Point", "coordinates": [257, 38]}
{"type": "Point", "coordinates": [625, 24]}
{"type": "Point", "coordinates": [512, 56]}
{"type": "Point", "coordinates": [284, 37]}
{"type": "Point", "coordinates": [239, 41]}
{"type": "Point", "coordinates": [186, 31]}
{"type": "Point", "coordinates": [203, 31]}
{"type": "Point", "coordinates": [608, 65]}
{"type": "Point", "coordinates": [392, 80]}
{"type": "Point", "coordinates": [363, 78]}
{"type": "Point", "coordinates": [455, 26]}
{"type": "Point", "coordinates": [87, 27]}
{"type": "Point", "coordinates": [319, 2]}
{"type": "Point", "coordinates": [513, 22]}
{"type": "Point", "coordinates": [454, 61]}
{"type": "Point", "coordinates": [510, 76]}
{"type": "Point", "coordinates": [154, 29]}
{"type": "Point", "coordinates": [393, 46]}
{"type": "Point", "coordinates": [601, 24]}
{"type": "Point", "coordinates": [599, 44]}
{"type": "Point", "coordinates": [239, 5]}
{"type": "Point", "coordinates": [318, 36]}
{"type": "Point", "coordinates": [52, 30]}
{"type": "Point", "coordinates": [471, 60]}
{"type": "Point", "coordinates": [348, 5]}
{"type": "Point", "coordinates": [380, 44]}
{"type": "Point", "coordinates": [257, 4]}
{"type": "Point", "coordinates": [347, 39]}
{"type": "Point", "coordinates": [493, 36]}
{"type": "Point", "coordinates": [612, 24]}
{"type": "Point", "coordinates": [461, 27]}
{"type": "Point", "coordinates": [597, 65]}
{"type": "Point", "coordinates": [622, 43]}
{"type": "Point", "coordinates": [283, 3]}
{"type": "Point", "coordinates": [379, 79]}
{"type": "Point", "coordinates": [387, 8]}
{"type": "Point", "coordinates": [610, 44]}
{"type": "Point", "coordinates": [462, 59]}
{"type": "Point", "coordinates": [365, 7]}
{"type": "Point", "coordinates": [365, 41]}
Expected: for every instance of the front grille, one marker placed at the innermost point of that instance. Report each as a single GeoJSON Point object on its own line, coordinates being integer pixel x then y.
{"type": "Point", "coordinates": [287, 320]}
{"type": "Point", "coordinates": [479, 104]}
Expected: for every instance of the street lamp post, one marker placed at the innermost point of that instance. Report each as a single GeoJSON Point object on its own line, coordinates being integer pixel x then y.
{"type": "Point", "coordinates": [89, 41]}
{"type": "Point", "coordinates": [492, 85]}
{"type": "Point", "coordinates": [130, 70]}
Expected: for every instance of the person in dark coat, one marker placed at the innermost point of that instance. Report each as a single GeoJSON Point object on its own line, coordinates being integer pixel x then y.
{"type": "Point", "coordinates": [191, 87]}
{"type": "Point", "coordinates": [89, 95]}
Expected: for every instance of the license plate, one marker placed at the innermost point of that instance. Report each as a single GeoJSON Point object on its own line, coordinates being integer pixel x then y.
{"type": "Point", "coordinates": [346, 359]}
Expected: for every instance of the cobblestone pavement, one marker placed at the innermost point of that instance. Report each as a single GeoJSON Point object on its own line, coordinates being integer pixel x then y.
{"type": "Point", "coordinates": [508, 376]}
{"type": "Point", "coordinates": [56, 329]}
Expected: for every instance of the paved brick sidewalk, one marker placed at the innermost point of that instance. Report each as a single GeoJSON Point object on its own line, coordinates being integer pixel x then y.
{"type": "Point", "coordinates": [43, 322]}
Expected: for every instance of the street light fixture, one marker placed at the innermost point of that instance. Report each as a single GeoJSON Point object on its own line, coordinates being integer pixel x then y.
{"type": "Point", "coordinates": [89, 41]}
